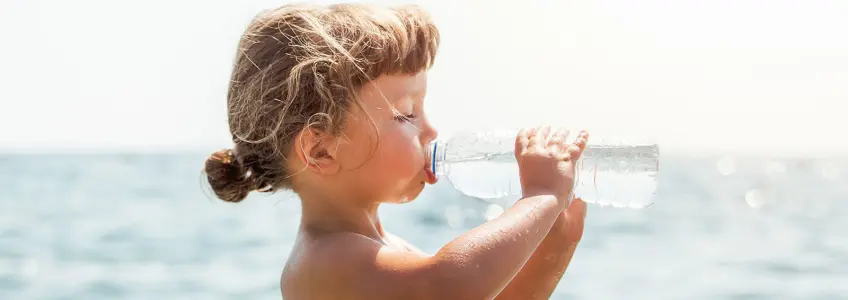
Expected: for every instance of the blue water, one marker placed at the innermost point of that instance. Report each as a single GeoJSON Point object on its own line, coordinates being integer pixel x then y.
{"type": "Point", "coordinates": [143, 227]}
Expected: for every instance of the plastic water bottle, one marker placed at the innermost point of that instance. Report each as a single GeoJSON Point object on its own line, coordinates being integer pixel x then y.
{"type": "Point", "coordinates": [618, 173]}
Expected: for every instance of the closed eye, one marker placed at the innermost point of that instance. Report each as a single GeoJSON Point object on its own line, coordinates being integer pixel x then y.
{"type": "Point", "coordinates": [405, 118]}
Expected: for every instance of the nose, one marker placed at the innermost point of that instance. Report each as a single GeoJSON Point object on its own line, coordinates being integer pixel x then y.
{"type": "Point", "coordinates": [428, 132]}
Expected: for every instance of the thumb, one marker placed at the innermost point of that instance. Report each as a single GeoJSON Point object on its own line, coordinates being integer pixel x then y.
{"type": "Point", "coordinates": [575, 216]}
{"type": "Point", "coordinates": [576, 209]}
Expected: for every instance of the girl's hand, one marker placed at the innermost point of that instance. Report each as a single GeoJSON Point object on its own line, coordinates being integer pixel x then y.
{"type": "Point", "coordinates": [546, 161]}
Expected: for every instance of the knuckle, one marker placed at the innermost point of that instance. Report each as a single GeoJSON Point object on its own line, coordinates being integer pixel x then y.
{"type": "Point", "coordinates": [573, 150]}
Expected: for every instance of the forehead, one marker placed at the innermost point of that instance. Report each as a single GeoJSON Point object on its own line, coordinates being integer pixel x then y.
{"type": "Point", "coordinates": [393, 89]}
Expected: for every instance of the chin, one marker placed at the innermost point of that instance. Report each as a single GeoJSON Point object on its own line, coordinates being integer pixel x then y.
{"type": "Point", "coordinates": [410, 196]}
{"type": "Point", "coordinates": [405, 199]}
{"type": "Point", "coordinates": [402, 200]}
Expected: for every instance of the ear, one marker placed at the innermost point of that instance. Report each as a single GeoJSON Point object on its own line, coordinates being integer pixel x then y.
{"type": "Point", "coordinates": [313, 148]}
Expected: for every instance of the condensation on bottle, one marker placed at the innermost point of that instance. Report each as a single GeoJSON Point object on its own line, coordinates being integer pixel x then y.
{"type": "Point", "coordinates": [611, 172]}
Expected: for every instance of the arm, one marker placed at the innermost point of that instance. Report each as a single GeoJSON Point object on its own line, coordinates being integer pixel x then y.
{"type": "Point", "coordinates": [540, 276]}
{"type": "Point", "coordinates": [476, 265]}
{"type": "Point", "coordinates": [487, 259]}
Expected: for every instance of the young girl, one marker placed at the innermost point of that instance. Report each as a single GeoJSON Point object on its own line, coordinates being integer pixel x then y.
{"type": "Point", "coordinates": [328, 101]}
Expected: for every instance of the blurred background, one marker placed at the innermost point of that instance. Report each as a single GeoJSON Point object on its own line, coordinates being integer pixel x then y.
{"type": "Point", "coordinates": [109, 109]}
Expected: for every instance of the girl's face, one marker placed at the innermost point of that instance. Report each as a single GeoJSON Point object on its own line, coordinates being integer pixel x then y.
{"type": "Point", "coordinates": [383, 151]}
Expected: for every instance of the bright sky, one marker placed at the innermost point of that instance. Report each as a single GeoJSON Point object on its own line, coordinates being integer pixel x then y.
{"type": "Point", "coordinates": [750, 76]}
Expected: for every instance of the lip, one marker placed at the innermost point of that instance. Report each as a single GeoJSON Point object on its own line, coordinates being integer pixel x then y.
{"type": "Point", "coordinates": [431, 177]}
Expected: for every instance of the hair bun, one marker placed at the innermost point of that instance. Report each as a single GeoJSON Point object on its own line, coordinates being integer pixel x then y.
{"type": "Point", "coordinates": [227, 176]}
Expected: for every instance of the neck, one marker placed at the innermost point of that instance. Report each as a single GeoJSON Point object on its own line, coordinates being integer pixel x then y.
{"type": "Point", "coordinates": [327, 214]}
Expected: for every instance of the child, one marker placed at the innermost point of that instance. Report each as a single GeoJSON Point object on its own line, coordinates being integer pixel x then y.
{"type": "Point", "coordinates": [328, 101]}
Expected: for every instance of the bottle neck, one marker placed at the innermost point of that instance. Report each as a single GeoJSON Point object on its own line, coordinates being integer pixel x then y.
{"type": "Point", "coordinates": [436, 155]}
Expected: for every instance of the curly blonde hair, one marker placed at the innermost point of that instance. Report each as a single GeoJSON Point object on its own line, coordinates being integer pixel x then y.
{"type": "Point", "coordinates": [302, 66]}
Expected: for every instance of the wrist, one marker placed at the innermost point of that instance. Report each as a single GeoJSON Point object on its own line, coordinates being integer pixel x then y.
{"type": "Point", "coordinates": [562, 200]}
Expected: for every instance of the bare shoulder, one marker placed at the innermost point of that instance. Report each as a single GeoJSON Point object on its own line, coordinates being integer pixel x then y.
{"type": "Point", "coordinates": [405, 244]}
{"type": "Point", "coordinates": [352, 266]}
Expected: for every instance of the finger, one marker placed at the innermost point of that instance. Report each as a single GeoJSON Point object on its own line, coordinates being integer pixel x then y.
{"type": "Point", "coordinates": [582, 139]}
{"type": "Point", "coordinates": [535, 138]}
{"type": "Point", "coordinates": [575, 150]}
{"type": "Point", "coordinates": [577, 209]}
{"type": "Point", "coordinates": [545, 133]}
{"type": "Point", "coordinates": [555, 142]}
{"type": "Point", "coordinates": [522, 141]}
{"type": "Point", "coordinates": [575, 217]}
{"type": "Point", "coordinates": [558, 139]}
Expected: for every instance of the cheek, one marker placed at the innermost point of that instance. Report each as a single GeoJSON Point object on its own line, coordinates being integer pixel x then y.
{"type": "Point", "coordinates": [404, 149]}
{"type": "Point", "coordinates": [398, 158]}
{"type": "Point", "coordinates": [390, 170]}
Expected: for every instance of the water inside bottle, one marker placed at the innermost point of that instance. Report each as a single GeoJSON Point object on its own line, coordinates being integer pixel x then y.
{"type": "Point", "coordinates": [597, 182]}
{"type": "Point", "coordinates": [631, 186]}
{"type": "Point", "coordinates": [609, 173]}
